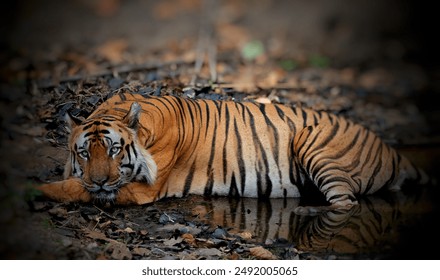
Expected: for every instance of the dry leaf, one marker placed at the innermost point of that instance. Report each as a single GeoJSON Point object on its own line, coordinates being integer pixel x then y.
{"type": "Point", "coordinates": [209, 252]}
{"type": "Point", "coordinates": [262, 253]}
{"type": "Point", "coordinates": [129, 230]}
{"type": "Point", "coordinates": [141, 251]}
{"type": "Point", "coordinates": [245, 235]}
{"type": "Point", "coordinates": [119, 251]}
{"type": "Point", "coordinates": [234, 256]}
{"type": "Point", "coordinates": [58, 212]}
{"type": "Point", "coordinates": [263, 100]}
{"type": "Point", "coordinates": [189, 239]}
{"type": "Point", "coordinates": [113, 50]}
{"type": "Point", "coordinates": [97, 235]}
{"type": "Point", "coordinates": [172, 241]}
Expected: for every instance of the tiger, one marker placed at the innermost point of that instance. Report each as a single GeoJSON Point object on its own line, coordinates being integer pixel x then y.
{"type": "Point", "coordinates": [136, 149]}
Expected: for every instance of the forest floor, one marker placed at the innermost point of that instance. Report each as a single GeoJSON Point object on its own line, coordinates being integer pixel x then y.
{"type": "Point", "coordinates": [350, 59]}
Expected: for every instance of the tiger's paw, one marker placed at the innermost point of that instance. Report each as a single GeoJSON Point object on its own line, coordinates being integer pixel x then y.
{"type": "Point", "coordinates": [69, 190]}
{"type": "Point", "coordinates": [135, 193]}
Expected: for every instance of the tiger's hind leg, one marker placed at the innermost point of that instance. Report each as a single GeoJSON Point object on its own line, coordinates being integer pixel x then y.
{"type": "Point", "coordinates": [326, 161]}
{"type": "Point", "coordinates": [339, 200]}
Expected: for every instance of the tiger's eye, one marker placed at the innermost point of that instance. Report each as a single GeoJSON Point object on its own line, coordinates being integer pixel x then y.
{"type": "Point", "coordinates": [114, 150]}
{"type": "Point", "coordinates": [84, 154]}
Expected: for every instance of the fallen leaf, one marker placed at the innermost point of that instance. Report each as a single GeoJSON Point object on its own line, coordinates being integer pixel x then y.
{"type": "Point", "coordinates": [234, 256]}
{"type": "Point", "coordinates": [59, 212]}
{"type": "Point", "coordinates": [113, 50]}
{"type": "Point", "coordinates": [173, 241]}
{"type": "Point", "coordinates": [209, 252]}
{"type": "Point", "coordinates": [251, 50]}
{"type": "Point", "coordinates": [129, 230]}
{"type": "Point", "coordinates": [245, 235]}
{"type": "Point", "coordinates": [97, 235]}
{"type": "Point", "coordinates": [119, 251]}
{"type": "Point", "coordinates": [189, 239]}
{"type": "Point", "coordinates": [262, 253]}
{"type": "Point", "coordinates": [263, 100]}
{"type": "Point", "coordinates": [140, 251]}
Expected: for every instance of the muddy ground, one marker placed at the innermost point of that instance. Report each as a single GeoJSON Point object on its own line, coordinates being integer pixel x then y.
{"type": "Point", "coordinates": [373, 63]}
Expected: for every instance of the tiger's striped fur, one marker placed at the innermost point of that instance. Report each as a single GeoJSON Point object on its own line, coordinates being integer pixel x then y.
{"type": "Point", "coordinates": [136, 149]}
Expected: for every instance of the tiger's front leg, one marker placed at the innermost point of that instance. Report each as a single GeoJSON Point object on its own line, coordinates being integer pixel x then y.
{"type": "Point", "coordinates": [137, 193]}
{"type": "Point", "coordinates": [69, 190]}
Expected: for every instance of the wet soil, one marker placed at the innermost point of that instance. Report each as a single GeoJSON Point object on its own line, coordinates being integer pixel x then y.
{"type": "Point", "coordinates": [351, 59]}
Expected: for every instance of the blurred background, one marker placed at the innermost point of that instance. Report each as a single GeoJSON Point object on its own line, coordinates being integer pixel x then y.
{"type": "Point", "coordinates": [375, 47]}
{"type": "Point", "coordinates": [347, 31]}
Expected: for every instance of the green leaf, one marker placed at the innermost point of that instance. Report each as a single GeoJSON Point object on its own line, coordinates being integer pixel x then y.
{"type": "Point", "coordinates": [252, 50]}
{"type": "Point", "coordinates": [31, 193]}
{"type": "Point", "coordinates": [288, 64]}
{"type": "Point", "coordinates": [319, 61]}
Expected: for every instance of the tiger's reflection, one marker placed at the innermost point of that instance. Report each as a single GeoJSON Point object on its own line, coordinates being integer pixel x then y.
{"type": "Point", "coordinates": [370, 226]}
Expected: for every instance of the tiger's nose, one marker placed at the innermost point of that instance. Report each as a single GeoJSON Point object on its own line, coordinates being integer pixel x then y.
{"type": "Point", "coordinates": [100, 181]}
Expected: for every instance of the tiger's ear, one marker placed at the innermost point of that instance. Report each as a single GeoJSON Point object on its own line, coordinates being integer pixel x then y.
{"type": "Point", "coordinates": [132, 117]}
{"type": "Point", "coordinates": [71, 121]}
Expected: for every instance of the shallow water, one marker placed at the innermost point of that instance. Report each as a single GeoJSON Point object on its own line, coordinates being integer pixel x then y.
{"type": "Point", "coordinates": [383, 226]}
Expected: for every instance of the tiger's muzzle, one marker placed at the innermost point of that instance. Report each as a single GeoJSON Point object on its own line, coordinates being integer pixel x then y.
{"type": "Point", "coordinates": [104, 192]}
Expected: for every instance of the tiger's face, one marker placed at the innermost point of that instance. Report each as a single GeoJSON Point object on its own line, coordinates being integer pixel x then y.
{"type": "Point", "coordinates": [105, 155]}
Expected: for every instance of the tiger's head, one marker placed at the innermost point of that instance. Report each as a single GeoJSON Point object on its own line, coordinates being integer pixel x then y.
{"type": "Point", "coordinates": [105, 153]}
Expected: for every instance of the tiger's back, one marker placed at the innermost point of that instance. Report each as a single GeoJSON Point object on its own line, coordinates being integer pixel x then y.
{"type": "Point", "coordinates": [248, 149]}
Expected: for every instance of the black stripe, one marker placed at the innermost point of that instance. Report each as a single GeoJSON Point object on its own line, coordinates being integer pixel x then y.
{"type": "Point", "coordinates": [209, 185]}
{"type": "Point", "coordinates": [352, 198]}
{"type": "Point", "coordinates": [122, 110]}
{"type": "Point", "coordinates": [292, 165]}
{"type": "Point", "coordinates": [241, 164]}
{"type": "Point", "coordinates": [73, 155]}
{"type": "Point", "coordinates": [393, 173]}
{"type": "Point", "coordinates": [127, 149]}
{"type": "Point", "coordinates": [275, 133]}
{"type": "Point", "coordinates": [259, 185]}
{"type": "Point", "coordinates": [313, 170]}
{"type": "Point", "coordinates": [122, 96]}
{"type": "Point", "coordinates": [225, 146]}
{"type": "Point", "coordinates": [87, 126]}
{"type": "Point", "coordinates": [304, 116]}
{"type": "Point", "coordinates": [317, 149]}
{"type": "Point", "coordinates": [88, 134]}
{"type": "Point", "coordinates": [264, 163]}
{"type": "Point", "coordinates": [129, 165]}
{"type": "Point", "coordinates": [208, 115]}
{"type": "Point", "coordinates": [233, 189]}
{"type": "Point", "coordinates": [310, 145]}
{"type": "Point", "coordinates": [268, 186]}
{"type": "Point", "coordinates": [138, 171]}
{"type": "Point", "coordinates": [189, 179]}
{"type": "Point", "coordinates": [134, 150]}
{"type": "Point", "coordinates": [279, 111]}
{"type": "Point", "coordinates": [377, 168]}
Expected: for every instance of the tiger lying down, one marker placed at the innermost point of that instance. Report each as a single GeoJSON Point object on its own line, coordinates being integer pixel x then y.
{"type": "Point", "coordinates": [137, 150]}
